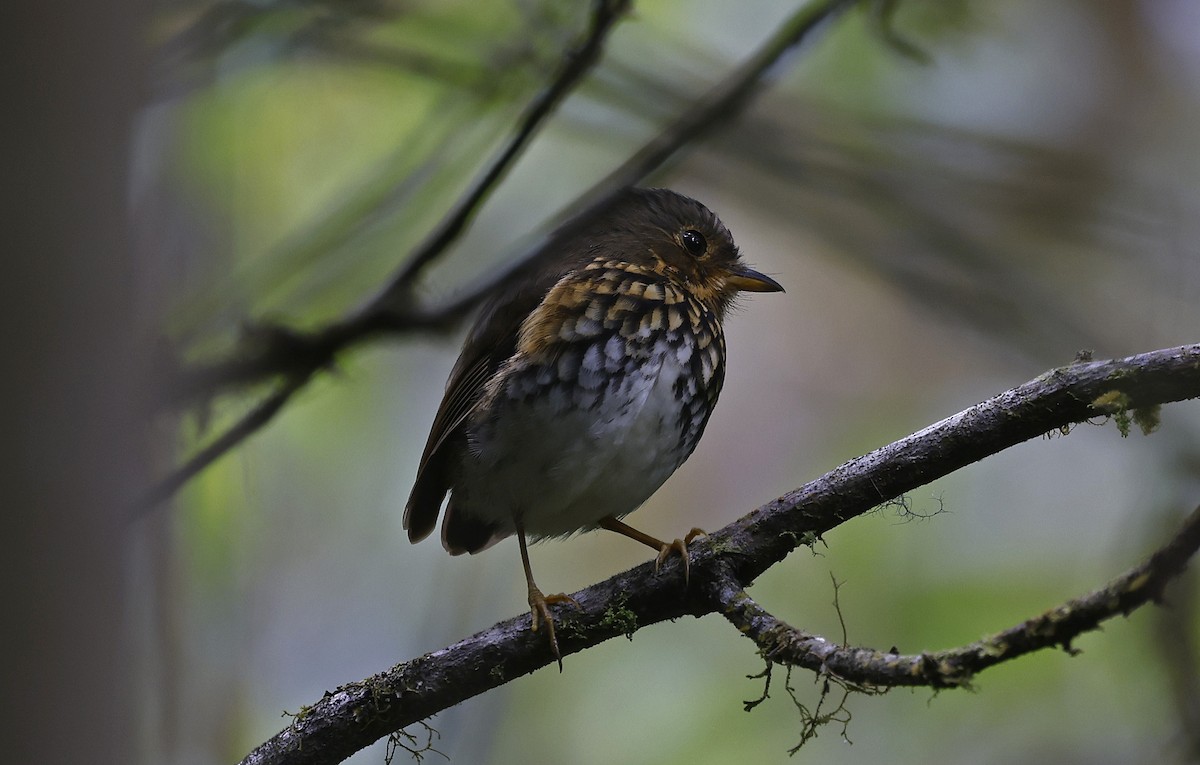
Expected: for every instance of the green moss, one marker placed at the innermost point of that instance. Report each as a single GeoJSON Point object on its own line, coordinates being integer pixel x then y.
{"type": "Point", "coordinates": [1111, 402]}
{"type": "Point", "coordinates": [1120, 406]}
{"type": "Point", "coordinates": [723, 546]}
{"type": "Point", "coordinates": [1148, 418]}
{"type": "Point", "coordinates": [618, 617]}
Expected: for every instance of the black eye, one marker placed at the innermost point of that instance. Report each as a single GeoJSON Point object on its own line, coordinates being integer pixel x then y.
{"type": "Point", "coordinates": [694, 242]}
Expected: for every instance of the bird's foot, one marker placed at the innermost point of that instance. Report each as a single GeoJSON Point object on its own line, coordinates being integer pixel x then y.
{"type": "Point", "coordinates": [679, 546]}
{"type": "Point", "coordinates": [539, 609]}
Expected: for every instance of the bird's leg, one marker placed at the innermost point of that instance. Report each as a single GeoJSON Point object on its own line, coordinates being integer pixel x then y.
{"type": "Point", "coordinates": [539, 604]}
{"type": "Point", "coordinates": [664, 548]}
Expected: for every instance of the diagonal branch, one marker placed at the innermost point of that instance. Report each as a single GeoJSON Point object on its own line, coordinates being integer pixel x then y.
{"type": "Point", "coordinates": [783, 644]}
{"type": "Point", "coordinates": [576, 63]}
{"type": "Point", "coordinates": [256, 418]}
{"type": "Point", "coordinates": [300, 354]}
{"type": "Point", "coordinates": [358, 713]}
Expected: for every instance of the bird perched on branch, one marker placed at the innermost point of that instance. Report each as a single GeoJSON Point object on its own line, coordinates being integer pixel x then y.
{"type": "Point", "coordinates": [585, 384]}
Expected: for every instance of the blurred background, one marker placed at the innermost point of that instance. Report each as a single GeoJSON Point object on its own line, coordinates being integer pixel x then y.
{"type": "Point", "coordinates": [956, 201]}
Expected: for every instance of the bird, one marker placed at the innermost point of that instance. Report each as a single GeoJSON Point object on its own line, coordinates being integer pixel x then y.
{"type": "Point", "coordinates": [584, 384]}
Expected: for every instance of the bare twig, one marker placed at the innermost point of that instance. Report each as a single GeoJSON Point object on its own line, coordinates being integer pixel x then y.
{"type": "Point", "coordinates": [359, 713]}
{"type": "Point", "coordinates": [259, 416]}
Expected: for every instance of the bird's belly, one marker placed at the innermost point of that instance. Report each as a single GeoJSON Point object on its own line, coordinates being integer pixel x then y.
{"type": "Point", "coordinates": [566, 458]}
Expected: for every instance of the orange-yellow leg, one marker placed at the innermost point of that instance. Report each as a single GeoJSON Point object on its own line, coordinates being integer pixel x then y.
{"type": "Point", "coordinates": [664, 549]}
{"type": "Point", "coordinates": [539, 604]}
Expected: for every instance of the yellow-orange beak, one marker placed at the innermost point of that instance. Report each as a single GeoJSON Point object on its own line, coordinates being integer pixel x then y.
{"type": "Point", "coordinates": [745, 279]}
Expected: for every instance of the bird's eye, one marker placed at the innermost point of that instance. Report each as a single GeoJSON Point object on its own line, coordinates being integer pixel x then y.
{"type": "Point", "coordinates": [694, 242]}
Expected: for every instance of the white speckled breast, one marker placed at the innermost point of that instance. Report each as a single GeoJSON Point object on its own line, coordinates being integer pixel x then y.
{"type": "Point", "coordinates": [620, 406]}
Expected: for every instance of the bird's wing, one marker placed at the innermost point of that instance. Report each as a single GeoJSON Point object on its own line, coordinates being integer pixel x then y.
{"type": "Point", "coordinates": [491, 342]}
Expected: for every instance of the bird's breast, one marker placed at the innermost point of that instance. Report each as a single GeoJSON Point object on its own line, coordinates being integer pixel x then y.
{"type": "Point", "coordinates": [602, 414]}
{"type": "Point", "coordinates": [617, 353]}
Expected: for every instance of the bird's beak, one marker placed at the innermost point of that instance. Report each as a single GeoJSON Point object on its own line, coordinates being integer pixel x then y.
{"type": "Point", "coordinates": [748, 280]}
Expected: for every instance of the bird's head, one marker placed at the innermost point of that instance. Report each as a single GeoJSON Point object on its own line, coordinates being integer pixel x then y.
{"type": "Point", "coordinates": [684, 243]}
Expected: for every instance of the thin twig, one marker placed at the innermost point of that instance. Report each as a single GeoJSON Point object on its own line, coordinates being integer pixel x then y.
{"type": "Point", "coordinates": [256, 418]}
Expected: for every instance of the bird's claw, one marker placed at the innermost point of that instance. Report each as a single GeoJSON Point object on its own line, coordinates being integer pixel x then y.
{"type": "Point", "coordinates": [539, 609]}
{"type": "Point", "coordinates": [679, 546]}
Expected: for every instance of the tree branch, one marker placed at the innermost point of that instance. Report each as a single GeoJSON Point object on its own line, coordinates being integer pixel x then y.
{"type": "Point", "coordinates": [784, 644]}
{"type": "Point", "coordinates": [276, 351]}
{"type": "Point", "coordinates": [358, 713]}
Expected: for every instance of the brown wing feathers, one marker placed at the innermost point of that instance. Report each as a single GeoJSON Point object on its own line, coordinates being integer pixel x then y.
{"type": "Point", "coordinates": [492, 340]}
